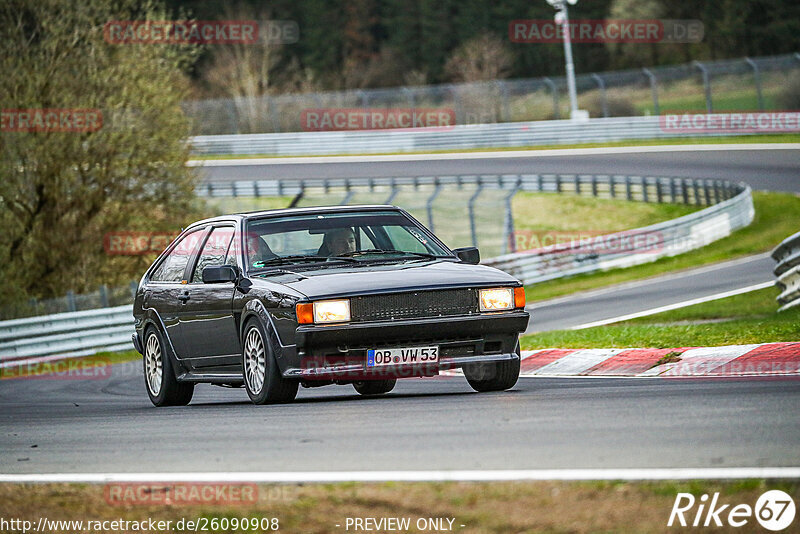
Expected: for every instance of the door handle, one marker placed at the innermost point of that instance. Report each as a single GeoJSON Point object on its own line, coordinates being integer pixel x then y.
{"type": "Point", "coordinates": [183, 298]}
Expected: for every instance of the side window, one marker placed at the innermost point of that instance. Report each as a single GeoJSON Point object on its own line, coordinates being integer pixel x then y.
{"type": "Point", "coordinates": [172, 267]}
{"type": "Point", "coordinates": [214, 251]}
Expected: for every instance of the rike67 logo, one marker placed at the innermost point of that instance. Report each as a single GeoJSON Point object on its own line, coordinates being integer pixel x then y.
{"type": "Point", "coordinates": [774, 510]}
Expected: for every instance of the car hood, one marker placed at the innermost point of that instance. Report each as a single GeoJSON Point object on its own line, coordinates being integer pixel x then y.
{"type": "Point", "coordinates": [358, 280]}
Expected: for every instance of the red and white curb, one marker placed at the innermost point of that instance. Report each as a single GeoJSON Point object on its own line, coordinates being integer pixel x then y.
{"type": "Point", "coordinates": [766, 359]}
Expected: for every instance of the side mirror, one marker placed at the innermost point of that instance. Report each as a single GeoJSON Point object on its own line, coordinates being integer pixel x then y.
{"type": "Point", "coordinates": [219, 273]}
{"type": "Point", "coordinates": [469, 255]}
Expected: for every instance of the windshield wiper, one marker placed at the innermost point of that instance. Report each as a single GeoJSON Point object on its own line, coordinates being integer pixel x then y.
{"type": "Point", "coordinates": [398, 252]}
{"type": "Point", "coordinates": [295, 258]}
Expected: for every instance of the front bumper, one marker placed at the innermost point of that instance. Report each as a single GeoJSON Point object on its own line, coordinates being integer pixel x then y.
{"type": "Point", "coordinates": [338, 352]}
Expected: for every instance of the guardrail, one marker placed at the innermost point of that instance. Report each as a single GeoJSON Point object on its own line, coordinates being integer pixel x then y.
{"type": "Point", "coordinates": [502, 135]}
{"type": "Point", "coordinates": [67, 335]}
{"type": "Point", "coordinates": [730, 207]}
{"type": "Point", "coordinates": [787, 254]}
{"type": "Point", "coordinates": [478, 195]}
{"type": "Point", "coordinates": [601, 253]}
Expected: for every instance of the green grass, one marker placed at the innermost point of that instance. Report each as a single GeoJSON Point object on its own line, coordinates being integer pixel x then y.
{"type": "Point", "coordinates": [567, 212]}
{"type": "Point", "coordinates": [776, 216]}
{"type": "Point", "coordinates": [776, 138]}
{"type": "Point", "coordinates": [742, 319]}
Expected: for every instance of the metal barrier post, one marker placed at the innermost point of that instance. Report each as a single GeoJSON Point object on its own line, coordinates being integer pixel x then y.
{"type": "Point", "coordinates": [410, 95]}
{"type": "Point", "coordinates": [429, 204]}
{"type": "Point", "coordinates": [504, 95]}
{"type": "Point", "coordinates": [653, 90]}
{"type": "Point", "coordinates": [471, 209]}
{"type": "Point", "coordinates": [706, 85]}
{"type": "Point", "coordinates": [273, 114]}
{"type": "Point", "coordinates": [601, 84]}
{"type": "Point", "coordinates": [757, 78]}
{"type": "Point", "coordinates": [346, 200]}
{"type": "Point", "coordinates": [509, 242]}
{"type": "Point", "coordinates": [685, 191]}
{"type": "Point", "coordinates": [551, 84]}
{"type": "Point", "coordinates": [394, 192]}
{"type": "Point", "coordinates": [71, 304]}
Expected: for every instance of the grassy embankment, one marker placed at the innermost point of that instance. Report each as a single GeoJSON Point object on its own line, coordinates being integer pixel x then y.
{"type": "Point", "coordinates": [575, 507]}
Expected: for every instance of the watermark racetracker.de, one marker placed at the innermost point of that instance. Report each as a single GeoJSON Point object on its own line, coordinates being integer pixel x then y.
{"type": "Point", "coordinates": [337, 119]}
{"type": "Point", "coordinates": [201, 32]}
{"type": "Point", "coordinates": [76, 120]}
{"type": "Point", "coordinates": [599, 242]}
{"type": "Point", "coordinates": [90, 368]}
{"type": "Point", "coordinates": [132, 243]}
{"type": "Point", "coordinates": [730, 122]}
{"type": "Point", "coordinates": [641, 31]}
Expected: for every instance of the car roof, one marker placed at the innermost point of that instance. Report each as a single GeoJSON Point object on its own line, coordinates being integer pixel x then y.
{"type": "Point", "coordinates": [294, 211]}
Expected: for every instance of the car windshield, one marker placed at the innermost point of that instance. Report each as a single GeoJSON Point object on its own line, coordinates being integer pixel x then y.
{"type": "Point", "coordinates": [344, 237]}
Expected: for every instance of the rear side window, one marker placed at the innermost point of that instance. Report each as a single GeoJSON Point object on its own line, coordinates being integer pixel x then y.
{"type": "Point", "coordinates": [172, 267]}
{"type": "Point", "coordinates": [214, 251]}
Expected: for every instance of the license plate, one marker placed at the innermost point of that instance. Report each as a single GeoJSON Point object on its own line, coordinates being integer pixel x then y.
{"type": "Point", "coordinates": [402, 356]}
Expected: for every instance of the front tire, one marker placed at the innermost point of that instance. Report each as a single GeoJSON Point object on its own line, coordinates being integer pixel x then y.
{"type": "Point", "coordinates": [375, 387]}
{"type": "Point", "coordinates": [159, 377]}
{"type": "Point", "coordinates": [495, 376]}
{"type": "Point", "coordinates": [262, 377]}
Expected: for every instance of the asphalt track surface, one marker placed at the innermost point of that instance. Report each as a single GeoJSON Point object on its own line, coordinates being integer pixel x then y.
{"type": "Point", "coordinates": [773, 170]}
{"type": "Point", "coordinates": [108, 425]}
{"type": "Point", "coordinates": [93, 426]}
{"type": "Point", "coordinates": [616, 301]}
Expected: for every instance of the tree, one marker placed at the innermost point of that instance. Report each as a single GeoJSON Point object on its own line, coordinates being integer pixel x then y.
{"type": "Point", "coordinates": [61, 192]}
{"type": "Point", "coordinates": [483, 58]}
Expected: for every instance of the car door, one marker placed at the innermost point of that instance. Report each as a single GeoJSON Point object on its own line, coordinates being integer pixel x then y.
{"type": "Point", "coordinates": [167, 282]}
{"type": "Point", "coordinates": [208, 329]}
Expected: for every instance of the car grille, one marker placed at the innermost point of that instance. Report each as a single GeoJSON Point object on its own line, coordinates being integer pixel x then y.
{"type": "Point", "coordinates": [414, 305]}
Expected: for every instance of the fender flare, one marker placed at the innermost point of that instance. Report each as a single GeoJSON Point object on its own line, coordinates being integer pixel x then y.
{"type": "Point", "coordinates": [153, 318]}
{"type": "Point", "coordinates": [254, 308]}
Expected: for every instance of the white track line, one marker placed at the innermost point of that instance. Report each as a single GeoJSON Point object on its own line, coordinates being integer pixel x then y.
{"type": "Point", "coordinates": [675, 306]}
{"type": "Point", "coordinates": [289, 477]}
{"type": "Point", "coordinates": [489, 154]}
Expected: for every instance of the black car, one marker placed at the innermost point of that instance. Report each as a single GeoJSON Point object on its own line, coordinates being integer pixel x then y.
{"type": "Point", "coordinates": [359, 295]}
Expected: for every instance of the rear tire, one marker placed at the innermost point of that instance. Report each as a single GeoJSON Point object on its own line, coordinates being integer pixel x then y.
{"type": "Point", "coordinates": [262, 377]}
{"type": "Point", "coordinates": [495, 376]}
{"type": "Point", "coordinates": [375, 387]}
{"type": "Point", "coordinates": [159, 376]}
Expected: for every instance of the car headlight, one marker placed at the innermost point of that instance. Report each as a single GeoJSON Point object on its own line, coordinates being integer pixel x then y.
{"type": "Point", "coordinates": [496, 299]}
{"type": "Point", "coordinates": [332, 311]}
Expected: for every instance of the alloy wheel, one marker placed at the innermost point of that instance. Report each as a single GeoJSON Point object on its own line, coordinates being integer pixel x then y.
{"type": "Point", "coordinates": [255, 361]}
{"type": "Point", "coordinates": [152, 362]}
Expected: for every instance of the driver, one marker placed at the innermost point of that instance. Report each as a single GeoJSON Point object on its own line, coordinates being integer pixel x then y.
{"type": "Point", "coordinates": [339, 241]}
